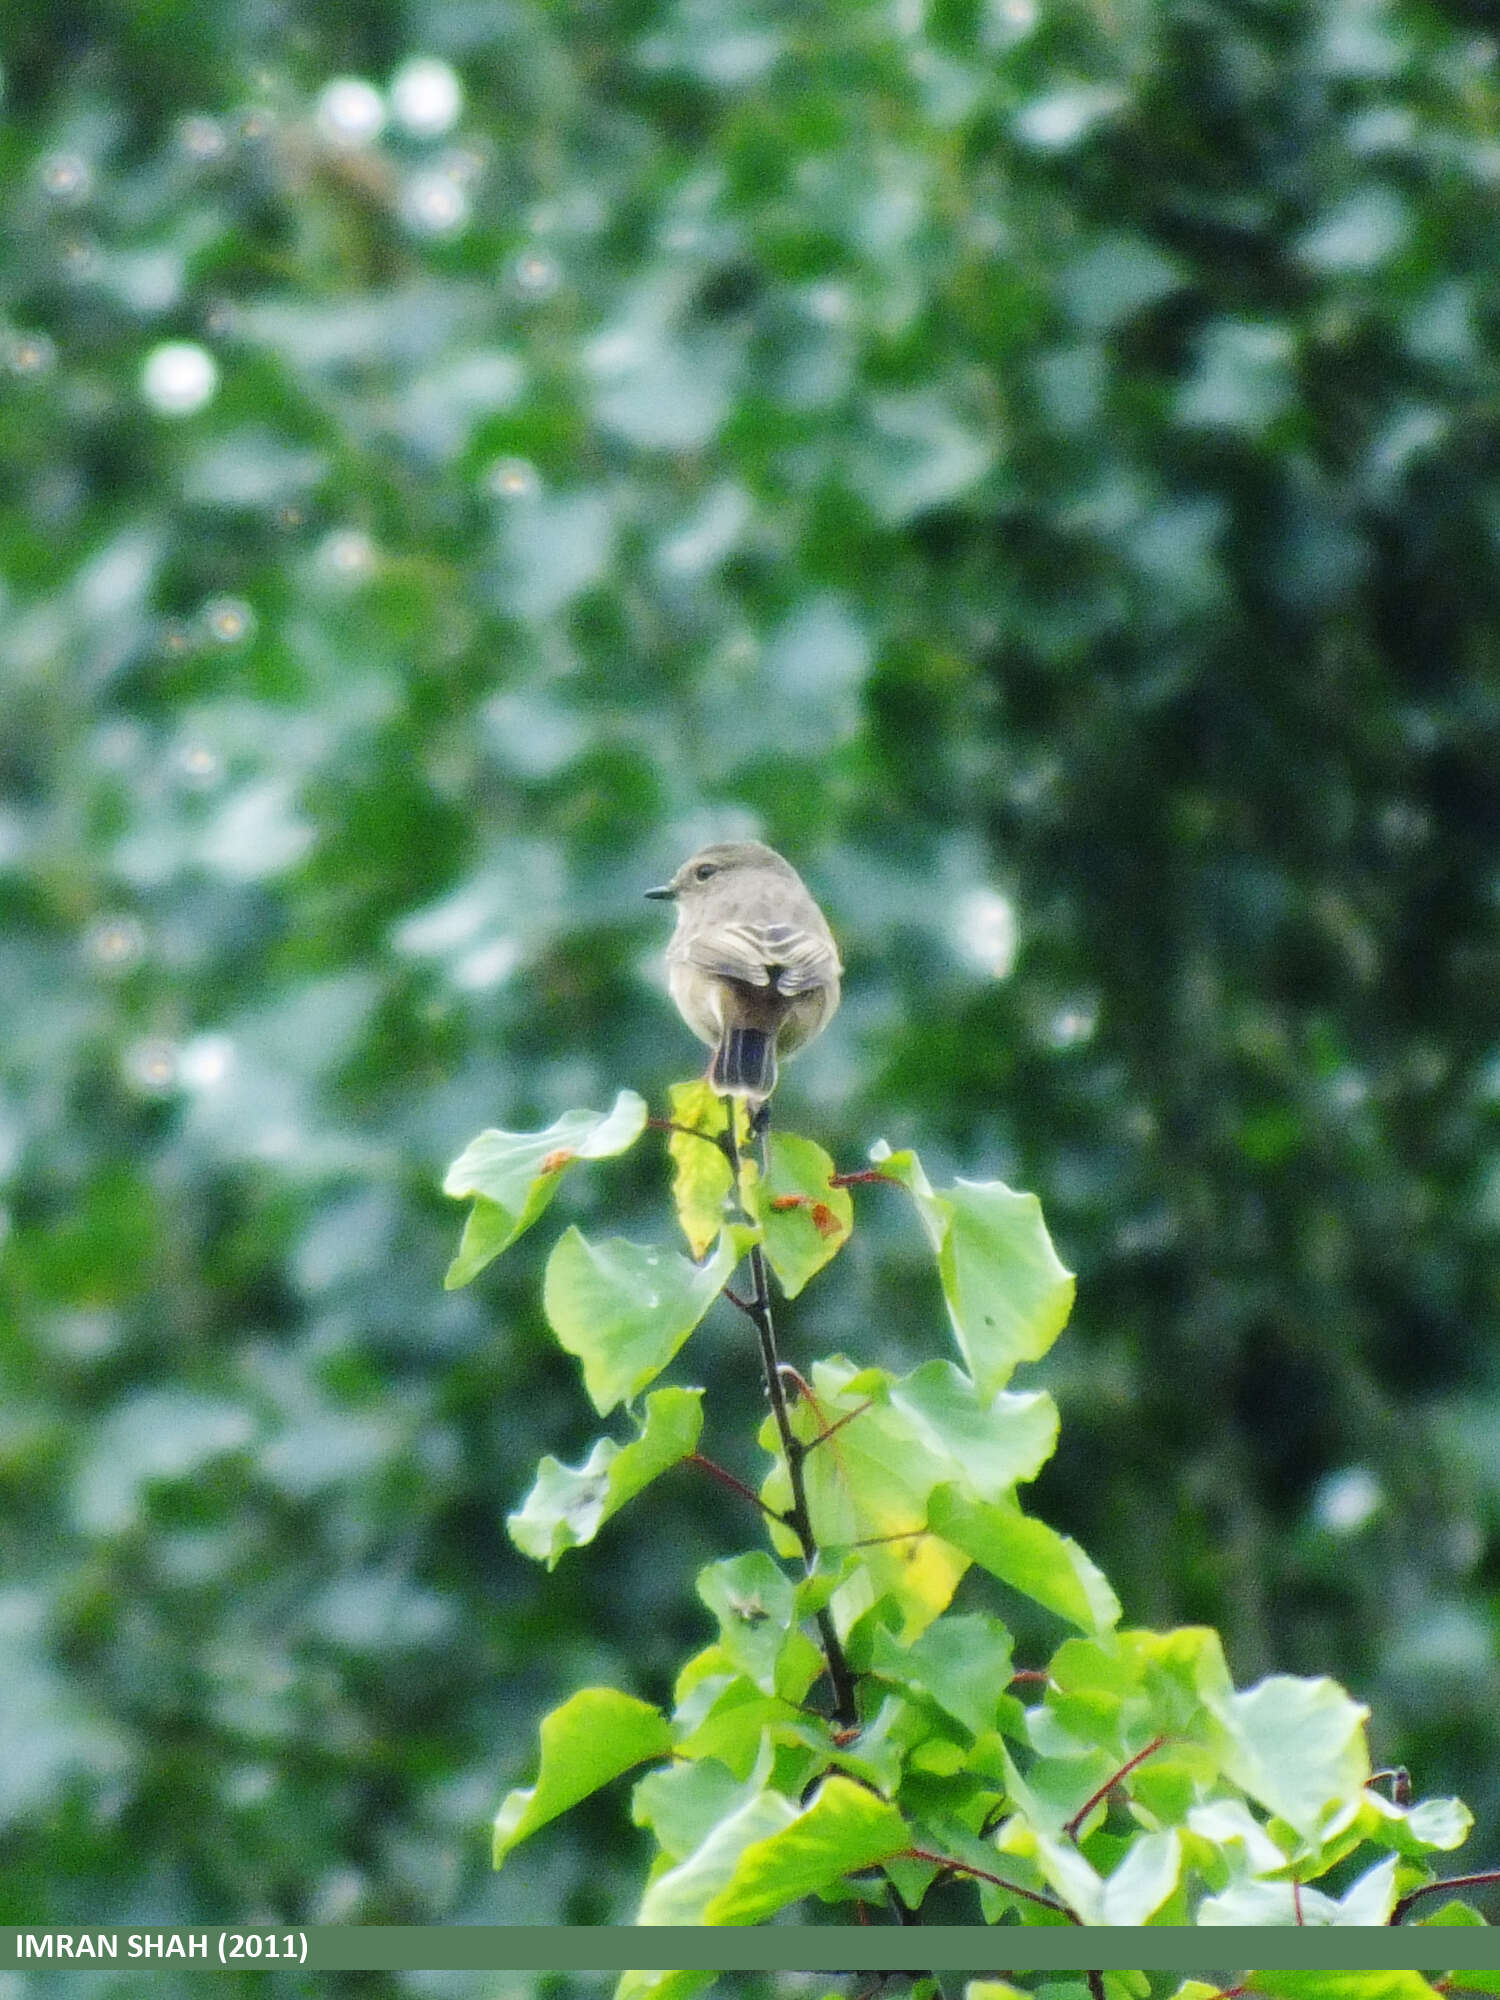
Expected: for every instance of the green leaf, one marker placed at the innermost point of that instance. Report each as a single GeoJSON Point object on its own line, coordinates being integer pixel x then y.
{"type": "Point", "coordinates": [1065, 1871]}
{"type": "Point", "coordinates": [682, 1802]}
{"type": "Point", "coordinates": [1343, 1985]}
{"type": "Point", "coordinates": [1230, 1825]}
{"type": "Point", "coordinates": [1371, 1897]}
{"type": "Point", "coordinates": [684, 1893]}
{"type": "Point", "coordinates": [1028, 1555]}
{"type": "Point", "coordinates": [961, 1663]}
{"type": "Point", "coordinates": [988, 1442]}
{"type": "Point", "coordinates": [1431, 1826]}
{"type": "Point", "coordinates": [806, 1222]}
{"type": "Point", "coordinates": [1259, 1903]}
{"type": "Point", "coordinates": [1143, 1880]}
{"type": "Point", "coordinates": [877, 1752]}
{"type": "Point", "coordinates": [1439, 1825]}
{"type": "Point", "coordinates": [568, 1505]}
{"type": "Point", "coordinates": [623, 1309]}
{"type": "Point", "coordinates": [586, 1743]}
{"type": "Point", "coordinates": [1120, 1689]}
{"type": "Point", "coordinates": [512, 1176]}
{"type": "Point", "coordinates": [701, 1179]}
{"type": "Point", "coordinates": [1298, 1747]}
{"type": "Point", "coordinates": [755, 1603]}
{"type": "Point", "coordinates": [872, 1477]}
{"type": "Point", "coordinates": [726, 1716]}
{"type": "Point", "coordinates": [843, 1829]}
{"type": "Point", "coordinates": [1455, 1914]}
{"type": "Point", "coordinates": [868, 1482]}
{"type": "Point", "coordinates": [679, 1985]}
{"type": "Point", "coordinates": [1008, 1294]}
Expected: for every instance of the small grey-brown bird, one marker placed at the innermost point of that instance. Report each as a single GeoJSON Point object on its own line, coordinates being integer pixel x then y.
{"type": "Point", "coordinates": [752, 964]}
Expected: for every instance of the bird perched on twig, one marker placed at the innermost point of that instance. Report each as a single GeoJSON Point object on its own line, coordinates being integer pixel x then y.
{"type": "Point", "coordinates": [752, 964]}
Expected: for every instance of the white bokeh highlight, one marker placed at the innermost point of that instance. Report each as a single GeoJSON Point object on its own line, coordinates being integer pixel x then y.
{"type": "Point", "coordinates": [179, 378]}
{"type": "Point", "coordinates": [349, 113]}
{"type": "Point", "coordinates": [427, 98]}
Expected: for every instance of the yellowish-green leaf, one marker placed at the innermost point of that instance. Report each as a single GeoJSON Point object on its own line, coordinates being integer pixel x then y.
{"type": "Point", "coordinates": [868, 1483]}
{"type": "Point", "coordinates": [1342, 1985]}
{"type": "Point", "coordinates": [843, 1828]}
{"type": "Point", "coordinates": [701, 1181]}
{"type": "Point", "coordinates": [677, 1985]}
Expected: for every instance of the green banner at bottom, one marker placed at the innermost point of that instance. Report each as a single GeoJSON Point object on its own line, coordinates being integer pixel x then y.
{"type": "Point", "coordinates": [765, 1948]}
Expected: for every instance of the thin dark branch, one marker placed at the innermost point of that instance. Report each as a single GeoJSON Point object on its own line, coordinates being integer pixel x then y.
{"type": "Point", "coordinates": [1483, 1879]}
{"type": "Point", "coordinates": [798, 1516]}
{"type": "Point", "coordinates": [1399, 1780]}
{"type": "Point", "coordinates": [1096, 1984]}
{"type": "Point", "coordinates": [718, 1140]}
{"type": "Point", "coordinates": [1071, 1827]}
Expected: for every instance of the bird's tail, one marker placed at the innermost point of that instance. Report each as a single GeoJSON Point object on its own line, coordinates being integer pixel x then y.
{"type": "Point", "coordinates": [744, 1063]}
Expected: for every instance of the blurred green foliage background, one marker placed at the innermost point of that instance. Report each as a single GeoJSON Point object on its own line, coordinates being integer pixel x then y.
{"type": "Point", "coordinates": [1036, 461]}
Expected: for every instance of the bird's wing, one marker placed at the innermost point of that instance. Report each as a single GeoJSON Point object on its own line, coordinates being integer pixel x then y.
{"type": "Point", "coordinates": [806, 959]}
{"type": "Point", "coordinates": [752, 952]}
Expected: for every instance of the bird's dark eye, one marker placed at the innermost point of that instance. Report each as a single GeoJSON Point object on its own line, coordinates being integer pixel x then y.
{"type": "Point", "coordinates": [704, 869]}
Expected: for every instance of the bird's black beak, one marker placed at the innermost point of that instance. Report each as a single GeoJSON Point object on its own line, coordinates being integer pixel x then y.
{"type": "Point", "coordinates": [662, 895]}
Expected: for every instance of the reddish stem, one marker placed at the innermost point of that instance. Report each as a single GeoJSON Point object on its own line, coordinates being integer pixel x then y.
{"type": "Point", "coordinates": [1297, 1901]}
{"type": "Point", "coordinates": [847, 1418]}
{"type": "Point", "coordinates": [802, 1385]}
{"type": "Point", "coordinates": [861, 1179]}
{"type": "Point", "coordinates": [953, 1867]}
{"type": "Point", "coordinates": [1483, 1879]}
{"type": "Point", "coordinates": [1072, 1826]}
{"type": "Point", "coordinates": [726, 1478]}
